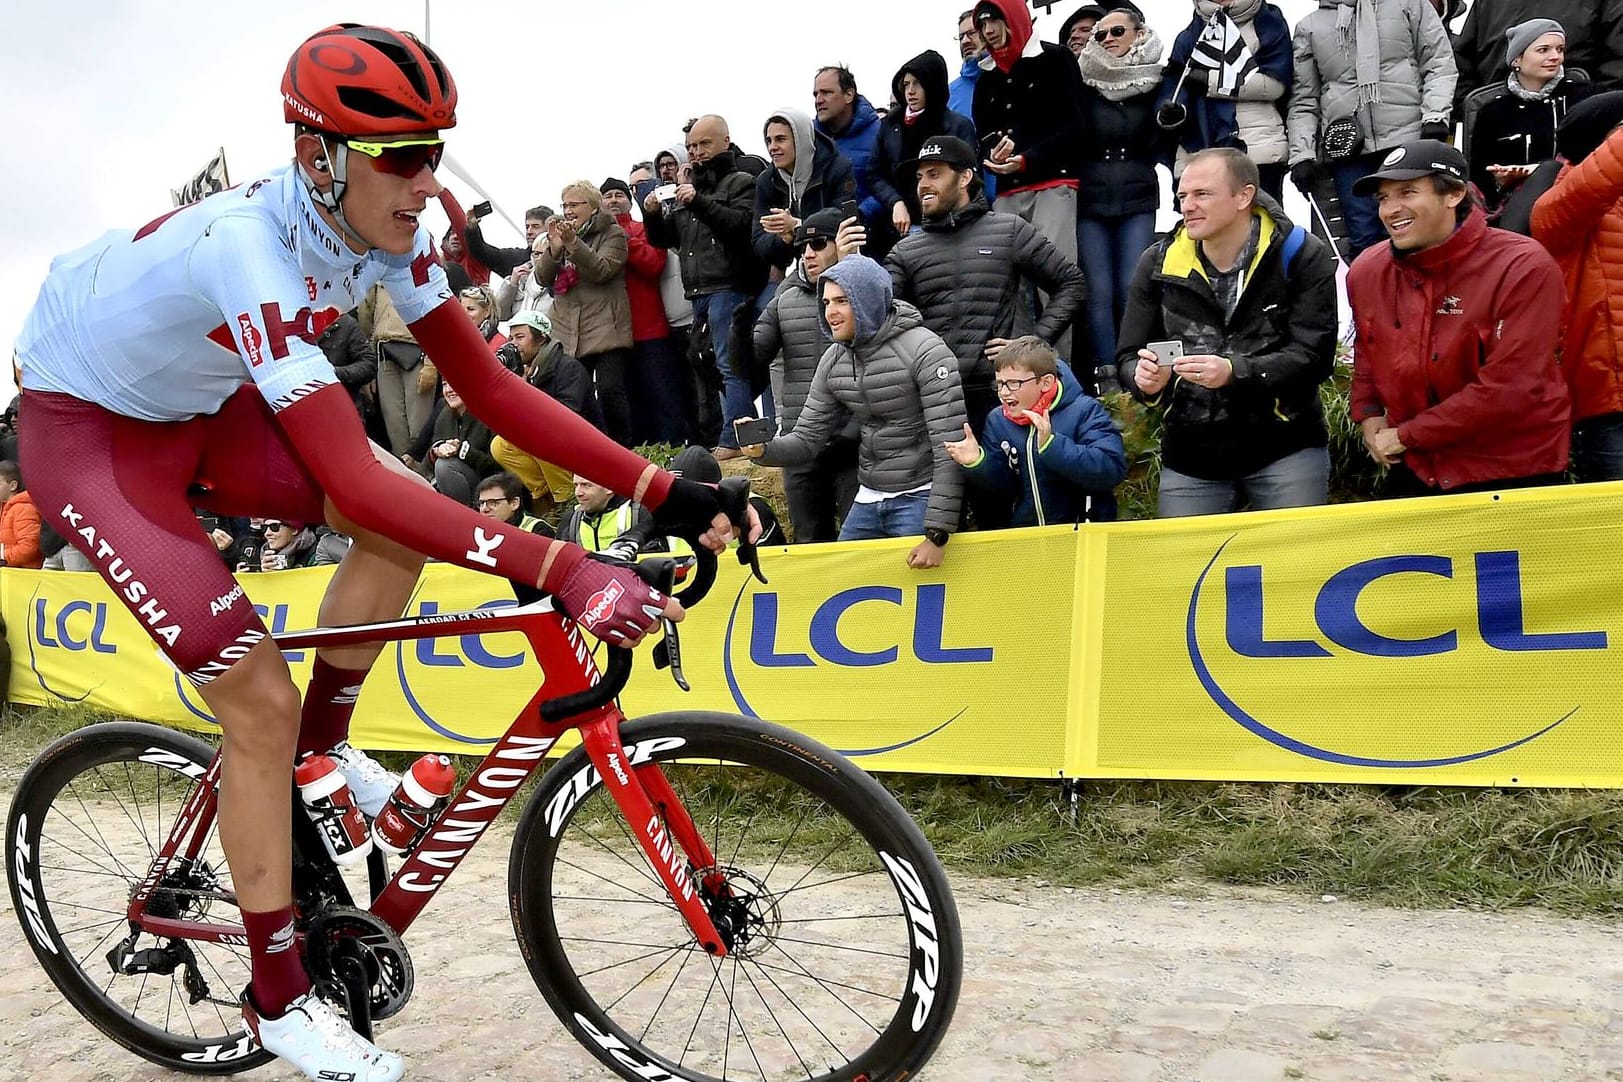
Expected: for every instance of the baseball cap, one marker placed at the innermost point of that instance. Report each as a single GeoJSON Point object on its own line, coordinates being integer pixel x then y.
{"type": "Point", "coordinates": [531, 318]}
{"type": "Point", "coordinates": [824, 223]}
{"type": "Point", "coordinates": [943, 148]}
{"type": "Point", "coordinates": [1421, 158]}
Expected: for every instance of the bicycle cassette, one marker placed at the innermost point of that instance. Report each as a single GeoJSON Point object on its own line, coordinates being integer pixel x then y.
{"type": "Point", "coordinates": [342, 931]}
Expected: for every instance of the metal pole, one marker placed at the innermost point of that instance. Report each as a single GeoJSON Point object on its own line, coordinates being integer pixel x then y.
{"type": "Point", "coordinates": [428, 32]}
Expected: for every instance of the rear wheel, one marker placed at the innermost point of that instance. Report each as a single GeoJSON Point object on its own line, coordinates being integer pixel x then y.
{"type": "Point", "coordinates": [845, 953]}
{"type": "Point", "coordinates": [86, 822]}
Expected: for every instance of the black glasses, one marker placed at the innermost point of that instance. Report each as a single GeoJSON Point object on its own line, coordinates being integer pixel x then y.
{"type": "Point", "coordinates": [1101, 36]}
{"type": "Point", "coordinates": [817, 244]}
{"type": "Point", "coordinates": [272, 526]}
{"type": "Point", "coordinates": [497, 501]}
{"type": "Point", "coordinates": [1013, 385]}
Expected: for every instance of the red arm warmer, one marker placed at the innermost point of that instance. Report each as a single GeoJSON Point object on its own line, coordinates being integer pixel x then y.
{"type": "Point", "coordinates": [327, 433]}
{"type": "Point", "coordinates": [533, 421]}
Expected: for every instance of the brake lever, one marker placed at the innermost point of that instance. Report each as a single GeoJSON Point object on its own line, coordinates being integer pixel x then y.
{"type": "Point", "coordinates": [668, 653]}
{"type": "Point", "coordinates": [734, 494]}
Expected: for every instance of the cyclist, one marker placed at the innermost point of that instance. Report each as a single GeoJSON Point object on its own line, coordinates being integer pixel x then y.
{"type": "Point", "coordinates": [177, 366]}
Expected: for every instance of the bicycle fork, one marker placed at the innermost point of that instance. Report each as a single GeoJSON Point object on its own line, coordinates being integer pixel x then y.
{"type": "Point", "coordinates": [673, 845]}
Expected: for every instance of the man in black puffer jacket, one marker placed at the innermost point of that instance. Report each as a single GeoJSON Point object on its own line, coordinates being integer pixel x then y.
{"type": "Point", "coordinates": [963, 270]}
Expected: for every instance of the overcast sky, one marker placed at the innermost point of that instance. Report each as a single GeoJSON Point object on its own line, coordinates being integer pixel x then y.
{"type": "Point", "coordinates": [116, 102]}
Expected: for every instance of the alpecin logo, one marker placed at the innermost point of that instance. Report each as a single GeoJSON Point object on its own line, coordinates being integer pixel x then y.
{"type": "Point", "coordinates": [1353, 627]}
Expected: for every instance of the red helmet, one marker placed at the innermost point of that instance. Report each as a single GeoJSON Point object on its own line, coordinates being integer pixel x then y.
{"type": "Point", "coordinates": [351, 79]}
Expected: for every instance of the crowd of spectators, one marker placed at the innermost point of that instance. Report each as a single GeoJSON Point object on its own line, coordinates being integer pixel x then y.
{"type": "Point", "coordinates": [912, 303]}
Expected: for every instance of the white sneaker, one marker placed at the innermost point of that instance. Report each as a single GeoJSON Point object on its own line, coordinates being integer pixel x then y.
{"type": "Point", "coordinates": [371, 784]}
{"type": "Point", "coordinates": [315, 1038]}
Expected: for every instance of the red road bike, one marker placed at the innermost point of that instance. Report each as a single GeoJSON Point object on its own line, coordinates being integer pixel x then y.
{"type": "Point", "coordinates": [698, 896]}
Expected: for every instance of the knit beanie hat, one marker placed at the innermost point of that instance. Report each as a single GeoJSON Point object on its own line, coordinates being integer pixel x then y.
{"type": "Point", "coordinates": [1520, 36]}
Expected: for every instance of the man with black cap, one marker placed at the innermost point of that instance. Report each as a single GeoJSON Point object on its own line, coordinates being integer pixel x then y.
{"type": "Point", "coordinates": [1455, 378]}
{"type": "Point", "coordinates": [1580, 221]}
{"type": "Point", "coordinates": [819, 491]}
{"type": "Point", "coordinates": [962, 271]}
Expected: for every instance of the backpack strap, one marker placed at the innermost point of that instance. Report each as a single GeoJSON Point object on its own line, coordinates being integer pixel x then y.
{"type": "Point", "coordinates": [1293, 244]}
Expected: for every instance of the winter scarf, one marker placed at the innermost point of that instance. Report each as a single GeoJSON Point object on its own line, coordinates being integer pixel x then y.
{"type": "Point", "coordinates": [1516, 87]}
{"type": "Point", "coordinates": [1118, 78]}
{"type": "Point", "coordinates": [1360, 35]}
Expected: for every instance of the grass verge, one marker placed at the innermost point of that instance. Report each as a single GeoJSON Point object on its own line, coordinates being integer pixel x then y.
{"type": "Point", "coordinates": [1402, 846]}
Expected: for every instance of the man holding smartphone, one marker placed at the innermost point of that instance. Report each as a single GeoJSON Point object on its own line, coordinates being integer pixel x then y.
{"type": "Point", "coordinates": [1229, 330]}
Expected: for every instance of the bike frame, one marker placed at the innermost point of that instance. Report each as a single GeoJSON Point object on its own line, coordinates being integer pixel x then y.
{"type": "Point", "coordinates": [662, 826]}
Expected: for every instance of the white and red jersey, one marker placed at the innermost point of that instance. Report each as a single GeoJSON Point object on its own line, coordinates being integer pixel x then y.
{"type": "Point", "coordinates": [165, 323]}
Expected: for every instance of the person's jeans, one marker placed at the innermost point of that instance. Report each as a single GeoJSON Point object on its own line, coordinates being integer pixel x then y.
{"type": "Point", "coordinates": [456, 479]}
{"type": "Point", "coordinates": [819, 492]}
{"type": "Point", "coordinates": [1301, 479]}
{"type": "Point", "coordinates": [716, 311]}
{"type": "Point", "coordinates": [1597, 448]}
{"type": "Point", "coordinates": [1110, 249]}
{"type": "Point", "coordinates": [655, 391]}
{"type": "Point", "coordinates": [608, 371]}
{"type": "Point", "coordinates": [899, 516]}
{"type": "Point", "coordinates": [1363, 220]}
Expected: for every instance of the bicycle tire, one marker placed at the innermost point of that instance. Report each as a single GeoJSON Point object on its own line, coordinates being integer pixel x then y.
{"type": "Point", "coordinates": [898, 972]}
{"type": "Point", "coordinates": [115, 788]}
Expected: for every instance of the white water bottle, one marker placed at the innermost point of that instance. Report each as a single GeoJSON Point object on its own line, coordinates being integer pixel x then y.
{"type": "Point", "coordinates": [414, 804]}
{"type": "Point", "coordinates": [332, 808]}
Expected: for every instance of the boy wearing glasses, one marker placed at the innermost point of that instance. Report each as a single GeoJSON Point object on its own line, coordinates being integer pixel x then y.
{"type": "Point", "coordinates": [1051, 450]}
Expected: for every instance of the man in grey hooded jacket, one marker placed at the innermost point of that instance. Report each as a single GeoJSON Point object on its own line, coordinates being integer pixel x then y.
{"type": "Point", "coordinates": [900, 382]}
{"type": "Point", "coordinates": [808, 174]}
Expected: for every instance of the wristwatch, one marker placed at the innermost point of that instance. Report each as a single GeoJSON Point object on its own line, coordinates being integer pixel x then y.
{"type": "Point", "coordinates": [936, 537]}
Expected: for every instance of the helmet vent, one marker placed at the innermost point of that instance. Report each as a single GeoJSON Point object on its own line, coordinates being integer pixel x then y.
{"type": "Point", "coordinates": [371, 103]}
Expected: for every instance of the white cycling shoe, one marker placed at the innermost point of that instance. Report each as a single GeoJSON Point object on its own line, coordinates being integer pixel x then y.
{"type": "Point", "coordinates": [318, 1041]}
{"type": "Point", "coordinates": [371, 784]}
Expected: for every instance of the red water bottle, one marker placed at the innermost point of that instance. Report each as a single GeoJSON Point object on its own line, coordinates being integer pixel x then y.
{"type": "Point", "coordinates": [415, 803]}
{"type": "Point", "coordinates": [332, 808]}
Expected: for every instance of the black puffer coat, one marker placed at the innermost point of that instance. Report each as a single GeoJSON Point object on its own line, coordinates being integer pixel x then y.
{"type": "Point", "coordinates": [963, 272]}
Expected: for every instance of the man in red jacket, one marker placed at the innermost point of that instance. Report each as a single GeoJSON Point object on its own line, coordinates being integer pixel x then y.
{"type": "Point", "coordinates": [1455, 378]}
{"type": "Point", "coordinates": [656, 389]}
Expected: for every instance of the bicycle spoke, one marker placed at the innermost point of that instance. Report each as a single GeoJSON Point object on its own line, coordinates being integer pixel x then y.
{"type": "Point", "coordinates": [800, 888]}
{"type": "Point", "coordinates": [563, 862]}
{"type": "Point", "coordinates": [824, 980]}
{"type": "Point", "coordinates": [770, 1013]}
{"type": "Point", "coordinates": [674, 952]}
{"type": "Point", "coordinates": [664, 998]}
{"type": "Point", "coordinates": [831, 993]}
{"type": "Point", "coordinates": [839, 947]}
{"type": "Point", "coordinates": [100, 839]}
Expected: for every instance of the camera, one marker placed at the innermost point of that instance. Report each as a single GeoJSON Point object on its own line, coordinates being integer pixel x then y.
{"type": "Point", "coordinates": [666, 194]}
{"type": "Point", "coordinates": [480, 210]}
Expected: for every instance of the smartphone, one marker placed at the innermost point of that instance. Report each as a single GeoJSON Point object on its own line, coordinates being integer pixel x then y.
{"type": "Point", "coordinates": [1165, 352]}
{"type": "Point", "coordinates": [480, 210]}
{"type": "Point", "coordinates": [848, 209]}
{"type": "Point", "coordinates": [753, 430]}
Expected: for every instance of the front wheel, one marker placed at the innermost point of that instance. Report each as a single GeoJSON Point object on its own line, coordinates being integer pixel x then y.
{"type": "Point", "coordinates": [86, 822]}
{"type": "Point", "coordinates": [846, 955]}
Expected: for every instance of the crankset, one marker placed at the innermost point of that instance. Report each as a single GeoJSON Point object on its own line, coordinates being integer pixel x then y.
{"type": "Point", "coordinates": [356, 954]}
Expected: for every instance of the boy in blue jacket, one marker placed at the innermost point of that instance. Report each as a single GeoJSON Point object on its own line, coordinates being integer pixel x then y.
{"type": "Point", "coordinates": [1053, 449]}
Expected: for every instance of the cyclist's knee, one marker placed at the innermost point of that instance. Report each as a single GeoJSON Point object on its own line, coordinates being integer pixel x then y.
{"type": "Point", "coordinates": [256, 703]}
